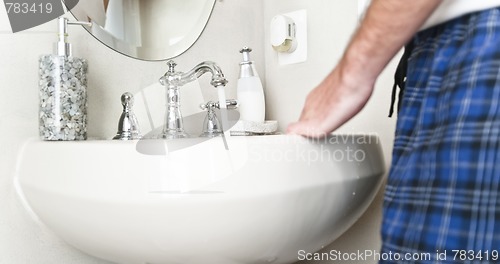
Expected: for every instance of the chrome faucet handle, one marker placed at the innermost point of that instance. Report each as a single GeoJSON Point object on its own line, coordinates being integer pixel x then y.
{"type": "Point", "coordinates": [211, 125]}
{"type": "Point", "coordinates": [128, 126]}
{"type": "Point", "coordinates": [230, 104]}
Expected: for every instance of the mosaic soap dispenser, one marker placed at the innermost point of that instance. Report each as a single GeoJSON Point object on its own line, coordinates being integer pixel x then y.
{"type": "Point", "coordinates": [63, 91]}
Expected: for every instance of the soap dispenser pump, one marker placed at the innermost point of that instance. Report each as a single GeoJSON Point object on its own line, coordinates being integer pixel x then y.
{"type": "Point", "coordinates": [63, 90]}
{"type": "Point", "coordinates": [63, 46]}
{"type": "Point", "coordinates": [250, 94]}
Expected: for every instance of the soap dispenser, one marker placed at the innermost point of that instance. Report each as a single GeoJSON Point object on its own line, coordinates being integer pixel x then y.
{"type": "Point", "coordinates": [250, 94]}
{"type": "Point", "coordinates": [63, 91]}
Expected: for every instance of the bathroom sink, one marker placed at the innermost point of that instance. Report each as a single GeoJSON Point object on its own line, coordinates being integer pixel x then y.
{"type": "Point", "coordinates": [252, 200]}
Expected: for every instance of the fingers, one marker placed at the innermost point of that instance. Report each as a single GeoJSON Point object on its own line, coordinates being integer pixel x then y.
{"type": "Point", "coordinates": [306, 129]}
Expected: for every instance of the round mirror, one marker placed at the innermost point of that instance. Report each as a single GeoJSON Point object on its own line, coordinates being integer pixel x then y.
{"type": "Point", "coordinates": [146, 29]}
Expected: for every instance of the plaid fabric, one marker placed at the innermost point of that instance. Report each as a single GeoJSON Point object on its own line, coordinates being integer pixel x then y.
{"type": "Point", "coordinates": [443, 190]}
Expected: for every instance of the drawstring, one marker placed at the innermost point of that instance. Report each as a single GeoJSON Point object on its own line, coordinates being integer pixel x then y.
{"type": "Point", "coordinates": [400, 78]}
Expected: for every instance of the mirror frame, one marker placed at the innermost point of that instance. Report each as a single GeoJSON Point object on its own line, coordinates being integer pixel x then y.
{"type": "Point", "coordinates": [128, 50]}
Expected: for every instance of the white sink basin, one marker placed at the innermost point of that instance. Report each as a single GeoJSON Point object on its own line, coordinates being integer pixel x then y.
{"type": "Point", "coordinates": [261, 201]}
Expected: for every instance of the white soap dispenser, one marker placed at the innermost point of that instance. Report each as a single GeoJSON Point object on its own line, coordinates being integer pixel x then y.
{"type": "Point", "coordinates": [250, 94]}
{"type": "Point", "coordinates": [63, 91]}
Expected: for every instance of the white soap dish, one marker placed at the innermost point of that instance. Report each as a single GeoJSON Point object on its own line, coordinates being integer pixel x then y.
{"type": "Point", "coordinates": [249, 128]}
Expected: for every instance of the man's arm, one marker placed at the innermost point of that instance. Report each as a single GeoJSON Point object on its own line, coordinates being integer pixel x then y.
{"type": "Point", "coordinates": [388, 26]}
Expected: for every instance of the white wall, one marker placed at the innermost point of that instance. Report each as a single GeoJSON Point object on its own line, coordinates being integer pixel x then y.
{"type": "Point", "coordinates": [330, 26]}
{"type": "Point", "coordinates": [234, 23]}
{"type": "Point", "coordinates": [232, 26]}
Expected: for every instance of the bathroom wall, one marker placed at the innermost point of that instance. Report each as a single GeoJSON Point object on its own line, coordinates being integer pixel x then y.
{"type": "Point", "coordinates": [330, 26]}
{"type": "Point", "coordinates": [22, 241]}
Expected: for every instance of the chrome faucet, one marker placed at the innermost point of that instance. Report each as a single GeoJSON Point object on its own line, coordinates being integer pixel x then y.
{"type": "Point", "coordinates": [211, 124]}
{"type": "Point", "coordinates": [172, 80]}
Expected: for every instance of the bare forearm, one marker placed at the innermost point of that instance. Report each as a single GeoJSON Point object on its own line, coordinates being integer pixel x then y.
{"type": "Point", "coordinates": [388, 26]}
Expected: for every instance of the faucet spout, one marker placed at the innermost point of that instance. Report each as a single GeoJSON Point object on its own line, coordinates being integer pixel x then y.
{"type": "Point", "coordinates": [218, 78]}
{"type": "Point", "coordinates": [172, 80]}
{"type": "Point", "coordinates": [180, 78]}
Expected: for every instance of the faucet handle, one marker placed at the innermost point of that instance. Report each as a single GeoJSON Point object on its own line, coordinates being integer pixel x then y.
{"type": "Point", "coordinates": [127, 101]}
{"type": "Point", "coordinates": [128, 127]}
{"type": "Point", "coordinates": [211, 125]}
{"type": "Point", "coordinates": [230, 104]}
{"type": "Point", "coordinates": [207, 106]}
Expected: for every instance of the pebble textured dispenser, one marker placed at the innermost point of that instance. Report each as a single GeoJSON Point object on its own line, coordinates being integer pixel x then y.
{"type": "Point", "coordinates": [63, 91]}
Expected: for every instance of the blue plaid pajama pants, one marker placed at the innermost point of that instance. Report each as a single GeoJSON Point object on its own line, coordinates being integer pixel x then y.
{"type": "Point", "coordinates": [442, 199]}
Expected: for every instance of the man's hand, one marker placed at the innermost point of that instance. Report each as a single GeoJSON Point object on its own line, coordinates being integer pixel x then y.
{"type": "Point", "coordinates": [332, 103]}
{"type": "Point", "coordinates": [388, 26]}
